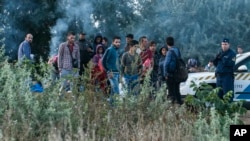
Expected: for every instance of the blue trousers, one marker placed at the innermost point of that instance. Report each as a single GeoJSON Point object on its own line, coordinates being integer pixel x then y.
{"type": "Point", "coordinates": [131, 81]}
{"type": "Point", "coordinates": [66, 84]}
{"type": "Point", "coordinates": [114, 82]}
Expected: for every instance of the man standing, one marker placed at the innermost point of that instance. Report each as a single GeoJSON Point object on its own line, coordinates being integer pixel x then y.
{"type": "Point", "coordinates": [169, 69]}
{"type": "Point", "coordinates": [68, 58]}
{"type": "Point", "coordinates": [24, 49]}
{"type": "Point", "coordinates": [86, 52]}
{"type": "Point", "coordinates": [129, 38]}
{"type": "Point", "coordinates": [155, 65]}
{"type": "Point", "coordinates": [111, 64]}
{"type": "Point", "coordinates": [225, 62]}
{"type": "Point", "coordinates": [146, 56]}
{"type": "Point", "coordinates": [131, 68]}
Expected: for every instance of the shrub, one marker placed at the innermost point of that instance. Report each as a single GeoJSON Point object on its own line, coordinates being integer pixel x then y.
{"type": "Point", "coordinates": [87, 115]}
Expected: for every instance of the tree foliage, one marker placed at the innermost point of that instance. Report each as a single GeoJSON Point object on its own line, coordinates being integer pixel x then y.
{"type": "Point", "coordinates": [198, 26]}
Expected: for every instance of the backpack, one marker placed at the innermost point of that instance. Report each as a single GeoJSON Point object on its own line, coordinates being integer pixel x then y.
{"type": "Point", "coordinates": [180, 73]}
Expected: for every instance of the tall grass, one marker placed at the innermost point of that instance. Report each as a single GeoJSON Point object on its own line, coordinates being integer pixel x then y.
{"type": "Point", "coordinates": [87, 115]}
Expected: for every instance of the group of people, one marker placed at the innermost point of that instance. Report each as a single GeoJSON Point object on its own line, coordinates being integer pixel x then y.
{"type": "Point", "coordinates": [110, 65]}
{"type": "Point", "coordinates": [131, 65]}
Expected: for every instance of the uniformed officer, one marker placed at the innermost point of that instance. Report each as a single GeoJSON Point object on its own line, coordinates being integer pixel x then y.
{"type": "Point", "coordinates": [225, 62]}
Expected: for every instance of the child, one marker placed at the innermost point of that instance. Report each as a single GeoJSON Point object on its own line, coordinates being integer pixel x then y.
{"type": "Point", "coordinates": [98, 74]}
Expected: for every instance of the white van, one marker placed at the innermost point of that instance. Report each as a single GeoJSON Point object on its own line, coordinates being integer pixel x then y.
{"type": "Point", "coordinates": [241, 82]}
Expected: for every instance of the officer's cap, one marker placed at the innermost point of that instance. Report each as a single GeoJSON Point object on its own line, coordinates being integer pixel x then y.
{"type": "Point", "coordinates": [226, 40]}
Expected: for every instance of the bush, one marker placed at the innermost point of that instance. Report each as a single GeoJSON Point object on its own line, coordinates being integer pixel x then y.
{"type": "Point", "coordinates": [87, 115]}
{"type": "Point", "coordinates": [206, 97]}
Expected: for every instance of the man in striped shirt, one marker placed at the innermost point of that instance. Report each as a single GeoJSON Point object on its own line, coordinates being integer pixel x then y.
{"type": "Point", "coordinates": [68, 53]}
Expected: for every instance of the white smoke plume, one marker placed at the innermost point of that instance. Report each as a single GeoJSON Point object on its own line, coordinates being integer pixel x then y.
{"type": "Point", "coordinates": [76, 15]}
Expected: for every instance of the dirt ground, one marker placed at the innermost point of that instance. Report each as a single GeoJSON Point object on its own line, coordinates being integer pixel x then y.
{"type": "Point", "coordinates": [246, 118]}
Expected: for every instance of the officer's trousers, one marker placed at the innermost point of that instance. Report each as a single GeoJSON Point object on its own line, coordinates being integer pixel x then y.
{"type": "Point", "coordinates": [226, 82]}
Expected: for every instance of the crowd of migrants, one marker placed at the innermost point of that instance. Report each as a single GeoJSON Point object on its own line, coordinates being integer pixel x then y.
{"type": "Point", "coordinates": [113, 67]}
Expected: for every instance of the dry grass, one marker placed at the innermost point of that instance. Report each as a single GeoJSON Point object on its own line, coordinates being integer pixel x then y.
{"type": "Point", "coordinates": [246, 118]}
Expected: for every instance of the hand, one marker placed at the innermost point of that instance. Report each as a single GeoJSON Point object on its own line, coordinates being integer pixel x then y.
{"type": "Point", "coordinates": [166, 78]}
{"type": "Point", "coordinates": [89, 49]}
{"type": "Point", "coordinates": [110, 75]}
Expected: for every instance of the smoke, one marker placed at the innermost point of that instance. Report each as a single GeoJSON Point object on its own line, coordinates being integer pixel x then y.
{"type": "Point", "coordinates": [198, 26]}
{"type": "Point", "coordinates": [76, 16]}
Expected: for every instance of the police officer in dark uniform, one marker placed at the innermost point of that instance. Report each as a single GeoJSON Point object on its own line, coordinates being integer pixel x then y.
{"type": "Point", "coordinates": [225, 62]}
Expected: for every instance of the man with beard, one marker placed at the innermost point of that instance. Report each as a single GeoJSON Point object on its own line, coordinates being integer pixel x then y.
{"type": "Point", "coordinates": [24, 50]}
{"type": "Point", "coordinates": [111, 64]}
{"type": "Point", "coordinates": [68, 58]}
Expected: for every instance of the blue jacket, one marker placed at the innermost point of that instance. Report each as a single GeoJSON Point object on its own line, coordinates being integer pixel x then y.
{"type": "Point", "coordinates": [225, 62]}
{"type": "Point", "coordinates": [110, 60]}
{"type": "Point", "coordinates": [170, 61]}
{"type": "Point", "coordinates": [24, 51]}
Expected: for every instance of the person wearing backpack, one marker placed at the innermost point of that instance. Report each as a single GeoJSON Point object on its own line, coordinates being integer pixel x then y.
{"type": "Point", "coordinates": [170, 64]}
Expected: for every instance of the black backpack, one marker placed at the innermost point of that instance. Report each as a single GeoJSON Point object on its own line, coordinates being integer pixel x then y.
{"type": "Point", "coordinates": [181, 72]}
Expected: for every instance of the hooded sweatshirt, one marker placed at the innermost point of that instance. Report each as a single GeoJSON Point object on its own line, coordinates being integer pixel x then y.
{"type": "Point", "coordinates": [98, 55]}
{"type": "Point", "coordinates": [98, 35]}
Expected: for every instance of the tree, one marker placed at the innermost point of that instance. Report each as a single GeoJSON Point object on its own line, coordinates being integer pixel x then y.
{"type": "Point", "coordinates": [198, 26]}
{"type": "Point", "coordinates": [22, 17]}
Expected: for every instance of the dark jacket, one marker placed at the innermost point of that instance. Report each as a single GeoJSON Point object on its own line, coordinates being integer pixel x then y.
{"type": "Point", "coordinates": [110, 60]}
{"type": "Point", "coordinates": [85, 55]}
{"type": "Point", "coordinates": [225, 62]}
{"type": "Point", "coordinates": [170, 62]}
{"type": "Point", "coordinates": [161, 65]}
{"type": "Point", "coordinates": [155, 70]}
